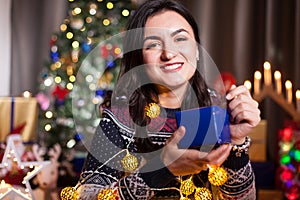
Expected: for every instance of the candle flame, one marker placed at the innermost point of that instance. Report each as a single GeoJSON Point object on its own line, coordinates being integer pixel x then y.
{"type": "Point", "coordinates": [267, 65]}
{"type": "Point", "coordinates": [247, 84]}
{"type": "Point", "coordinates": [298, 94]}
{"type": "Point", "coordinates": [277, 75]}
{"type": "Point", "coordinates": [257, 75]}
{"type": "Point", "coordinates": [288, 84]}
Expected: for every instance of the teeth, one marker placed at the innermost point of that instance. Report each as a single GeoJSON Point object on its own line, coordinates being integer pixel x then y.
{"type": "Point", "coordinates": [170, 67]}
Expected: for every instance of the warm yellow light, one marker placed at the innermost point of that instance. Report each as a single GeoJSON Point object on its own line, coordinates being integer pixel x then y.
{"type": "Point", "coordinates": [248, 84]}
{"type": "Point", "coordinates": [95, 101]}
{"type": "Point", "coordinates": [57, 65]}
{"type": "Point", "coordinates": [27, 94]}
{"type": "Point", "coordinates": [57, 79]}
{"type": "Point", "coordinates": [288, 84]}
{"type": "Point", "coordinates": [89, 40]}
{"type": "Point", "coordinates": [63, 27]}
{"type": "Point", "coordinates": [117, 51]}
{"type": "Point", "coordinates": [298, 94]}
{"type": "Point", "coordinates": [48, 127]}
{"type": "Point", "coordinates": [70, 86]}
{"type": "Point", "coordinates": [106, 22]}
{"type": "Point", "coordinates": [70, 70]}
{"type": "Point", "coordinates": [88, 20]}
{"type": "Point", "coordinates": [257, 75]}
{"type": "Point", "coordinates": [125, 13]}
{"type": "Point", "coordinates": [89, 78]}
{"type": "Point", "coordinates": [277, 75]}
{"type": "Point", "coordinates": [69, 35]}
{"type": "Point", "coordinates": [110, 5]}
{"type": "Point", "coordinates": [53, 67]}
{"type": "Point", "coordinates": [49, 114]}
{"type": "Point", "coordinates": [48, 81]}
{"type": "Point", "coordinates": [93, 11]}
{"type": "Point", "coordinates": [75, 45]}
{"type": "Point", "coordinates": [77, 10]}
{"type": "Point", "coordinates": [267, 65]}
{"type": "Point", "coordinates": [72, 78]}
{"type": "Point", "coordinates": [92, 87]}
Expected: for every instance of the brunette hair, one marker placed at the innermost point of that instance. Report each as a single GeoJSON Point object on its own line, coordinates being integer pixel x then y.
{"type": "Point", "coordinates": [138, 98]}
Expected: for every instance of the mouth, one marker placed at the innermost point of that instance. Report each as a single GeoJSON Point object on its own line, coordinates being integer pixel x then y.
{"type": "Point", "coordinates": [172, 67]}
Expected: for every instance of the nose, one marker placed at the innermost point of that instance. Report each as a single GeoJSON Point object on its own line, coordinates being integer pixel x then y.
{"type": "Point", "coordinates": [168, 54]}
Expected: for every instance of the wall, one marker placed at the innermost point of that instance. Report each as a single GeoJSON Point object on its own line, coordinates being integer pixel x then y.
{"type": "Point", "coordinates": [5, 49]}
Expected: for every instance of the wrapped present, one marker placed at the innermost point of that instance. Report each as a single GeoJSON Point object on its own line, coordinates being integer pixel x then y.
{"type": "Point", "coordinates": [18, 115]}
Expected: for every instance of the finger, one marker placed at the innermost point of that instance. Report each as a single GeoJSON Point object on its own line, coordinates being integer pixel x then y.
{"type": "Point", "coordinates": [236, 91]}
{"type": "Point", "coordinates": [219, 155]}
{"type": "Point", "coordinates": [243, 110]}
{"type": "Point", "coordinates": [251, 117]}
{"type": "Point", "coordinates": [177, 136]}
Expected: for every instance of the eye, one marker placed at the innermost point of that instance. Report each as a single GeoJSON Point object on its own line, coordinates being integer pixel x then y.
{"type": "Point", "coordinates": [152, 44]}
{"type": "Point", "coordinates": [180, 39]}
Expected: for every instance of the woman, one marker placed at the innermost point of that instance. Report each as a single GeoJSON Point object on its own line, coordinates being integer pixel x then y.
{"type": "Point", "coordinates": [161, 69]}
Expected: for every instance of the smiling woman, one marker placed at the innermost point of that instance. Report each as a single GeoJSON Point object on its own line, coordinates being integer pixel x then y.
{"type": "Point", "coordinates": [135, 153]}
{"type": "Point", "coordinates": [169, 62]}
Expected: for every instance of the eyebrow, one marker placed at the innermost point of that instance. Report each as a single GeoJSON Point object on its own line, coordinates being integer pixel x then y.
{"type": "Point", "coordinates": [172, 35]}
{"type": "Point", "coordinates": [178, 31]}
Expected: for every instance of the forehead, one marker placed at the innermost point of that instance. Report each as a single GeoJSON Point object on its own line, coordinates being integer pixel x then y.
{"type": "Point", "coordinates": [167, 21]}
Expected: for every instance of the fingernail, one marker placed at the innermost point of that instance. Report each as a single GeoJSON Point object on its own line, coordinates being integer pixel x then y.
{"type": "Point", "coordinates": [228, 96]}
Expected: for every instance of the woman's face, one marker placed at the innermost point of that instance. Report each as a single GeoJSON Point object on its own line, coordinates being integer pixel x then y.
{"type": "Point", "coordinates": [170, 50]}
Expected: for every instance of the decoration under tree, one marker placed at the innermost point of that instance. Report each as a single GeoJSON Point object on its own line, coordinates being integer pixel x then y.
{"type": "Point", "coordinates": [88, 24]}
{"type": "Point", "coordinates": [289, 160]}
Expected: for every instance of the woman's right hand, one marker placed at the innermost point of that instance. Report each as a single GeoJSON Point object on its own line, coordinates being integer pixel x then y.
{"type": "Point", "coordinates": [190, 161]}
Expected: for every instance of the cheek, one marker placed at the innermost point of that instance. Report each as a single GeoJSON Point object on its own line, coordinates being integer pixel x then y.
{"type": "Point", "coordinates": [153, 72]}
{"type": "Point", "coordinates": [149, 58]}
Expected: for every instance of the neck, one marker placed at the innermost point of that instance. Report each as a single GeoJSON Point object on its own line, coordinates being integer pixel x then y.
{"type": "Point", "coordinates": [171, 98]}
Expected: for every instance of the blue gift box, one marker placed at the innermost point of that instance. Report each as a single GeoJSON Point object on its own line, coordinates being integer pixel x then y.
{"type": "Point", "coordinates": [205, 127]}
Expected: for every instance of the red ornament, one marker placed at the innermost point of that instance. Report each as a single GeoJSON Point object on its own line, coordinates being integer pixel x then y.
{"type": "Point", "coordinates": [286, 174]}
{"type": "Point", "coordinates": [292, 193]}
{"type": "Point", "coordinates": [104, 51]}
{"type": "Point", "coordinates": [286, 134]}
{"type": "Point", "coordinates": [60, 93]}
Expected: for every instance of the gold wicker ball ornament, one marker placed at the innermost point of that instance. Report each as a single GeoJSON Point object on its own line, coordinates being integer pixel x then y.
{"type": "Point", "coordinates": [129, 162]}
{"type": "Point", "coordinates": [68, 193]}
{"type": "Point", "coordinates": [202, 193]}
{"type": "Point", "coordinates": [108, 194]}
{"type": "Point", "coordinates": [217, 176]}
{"type": "Point", "coordinates": [187, 187]}
{"type": "Point", "coordinates": [152, 110]}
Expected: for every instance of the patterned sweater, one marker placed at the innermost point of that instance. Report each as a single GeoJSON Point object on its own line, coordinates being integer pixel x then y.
{"type": "Point", "coordinates": [152, 179]}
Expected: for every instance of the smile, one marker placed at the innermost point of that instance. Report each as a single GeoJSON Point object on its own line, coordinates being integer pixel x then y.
{"type": "Point", "coordinates": [172, 67]}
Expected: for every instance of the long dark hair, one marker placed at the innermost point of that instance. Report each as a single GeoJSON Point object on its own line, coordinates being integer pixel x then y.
{"type": "Point", "coordinates": [137, 98]}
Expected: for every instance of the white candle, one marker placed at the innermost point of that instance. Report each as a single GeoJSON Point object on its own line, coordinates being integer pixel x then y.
{"type": "Point", "coordinates": [257, 79]}
{"type": "Point", "coordinates": [267, 73]}
{"type": "Point", "coordinates": [248, 84]}
{"type": "Point", "coordinates": [289, 92]}
{"type": "Point", "coordinates": [298, 100]}
{"type": "Point", "coordinates": [277, 77]}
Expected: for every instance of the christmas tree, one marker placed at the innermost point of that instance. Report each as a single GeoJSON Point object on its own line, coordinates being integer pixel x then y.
{"type": "Point", "coordinates": [83, 39]}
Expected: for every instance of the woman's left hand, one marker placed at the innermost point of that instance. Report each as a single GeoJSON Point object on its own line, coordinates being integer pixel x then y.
{"type": "Point", "coordinates": [244, 113]}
